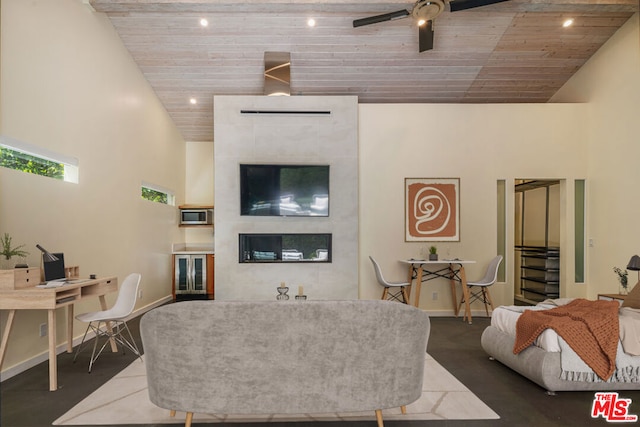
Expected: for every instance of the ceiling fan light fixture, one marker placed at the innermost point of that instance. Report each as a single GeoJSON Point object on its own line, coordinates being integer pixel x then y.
{"type": "Point", "coordinates": [567, 22]}
{"type": "Point", "coordinates": [427, 10]}
{"type": "Point", "coordinates": [424, 13]}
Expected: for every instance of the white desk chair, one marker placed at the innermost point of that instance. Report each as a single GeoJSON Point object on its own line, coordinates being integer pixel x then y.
{"type": "Point", "coordinates": [480, 290]}
{"type": "Point", "coordinates": [400, 295]}
{"type": "Point", "coordinates": [114, 320]}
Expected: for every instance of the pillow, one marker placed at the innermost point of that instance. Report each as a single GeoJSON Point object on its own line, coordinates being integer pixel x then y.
{"type": "Point", "coordinates": [633, 298]}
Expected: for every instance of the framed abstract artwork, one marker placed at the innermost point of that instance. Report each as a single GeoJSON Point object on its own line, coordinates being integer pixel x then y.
{"type": "Point", "coordinates": [432, 209]}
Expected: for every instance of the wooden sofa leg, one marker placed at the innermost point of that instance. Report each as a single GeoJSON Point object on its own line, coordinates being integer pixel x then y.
{"type": "Point", "coordinates": [187, 421]}
{"type": "Point", "coordinates": [172, 413]}
{"type": "Point", "coordinates": [379, 417]}
{"type": "Point", "coordinates": [403, 409]}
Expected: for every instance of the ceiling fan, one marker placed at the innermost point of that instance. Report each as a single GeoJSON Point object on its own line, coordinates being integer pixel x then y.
{"type": "Point", "coordinates": [424, 12]}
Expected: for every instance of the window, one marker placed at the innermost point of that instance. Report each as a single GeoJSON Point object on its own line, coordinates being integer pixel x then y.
{"type": "Point", "coordinates": [155, 193]}
{"type": "Point", "coordinates": [29, 158]}
{"type": "Point", "coordinates": [579, 229]}
{"type": "Point", "coordinates": [502, 227]}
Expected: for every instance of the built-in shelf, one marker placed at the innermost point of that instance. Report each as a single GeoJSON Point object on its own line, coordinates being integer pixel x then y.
{"type": "Point", "coordinates": [187, 206]}
{"type": "Point", "coordinates": [540, 272]}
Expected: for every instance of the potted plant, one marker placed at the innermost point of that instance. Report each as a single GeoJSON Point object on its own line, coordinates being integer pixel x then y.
{"type": "Point", "coordinates": [622, 278]}
{"type": "Point", "coordinates": [433, 253]}
{"type": "Point", "coordinates": [9, 251]}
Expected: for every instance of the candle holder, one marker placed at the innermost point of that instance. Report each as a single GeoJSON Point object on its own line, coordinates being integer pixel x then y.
{"type": "Point", "coordinates": [282, 293]}
{"type": "Point", "coordinates": [301, 297]}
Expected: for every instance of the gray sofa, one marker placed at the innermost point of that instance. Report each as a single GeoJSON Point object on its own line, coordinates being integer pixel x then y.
{"type": "Point", "coordinates": [292, 357]}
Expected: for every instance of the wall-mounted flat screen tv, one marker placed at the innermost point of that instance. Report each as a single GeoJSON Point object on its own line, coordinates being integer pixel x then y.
{"type": "Point", "coordinates": [284, 190]}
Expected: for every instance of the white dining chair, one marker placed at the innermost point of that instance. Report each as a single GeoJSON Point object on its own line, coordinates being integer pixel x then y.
{"type": "Point", "coordinates": [479, 290]}
{"type": "Point", "coordinates": [392, 290]}
{"type": "Point", "coordinates": [114, 321]}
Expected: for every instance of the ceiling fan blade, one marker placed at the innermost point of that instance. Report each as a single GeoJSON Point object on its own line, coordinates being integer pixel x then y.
{"type": "Point", "coordinates": [469, 4]}
{"type": "Point", "coordinates": [381, 18]}
{"type": "Point", "coordinates": [425, 36]}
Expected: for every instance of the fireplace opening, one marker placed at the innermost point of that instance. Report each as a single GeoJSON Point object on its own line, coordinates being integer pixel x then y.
{"type": "Point", "coordinates": [264, 248]}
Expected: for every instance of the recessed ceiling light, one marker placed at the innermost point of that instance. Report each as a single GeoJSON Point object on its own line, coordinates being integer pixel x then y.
{"type": "Point", "coordinates": [204, 22]}
{"type": "Point", "coordinates": [568, 23]}
{"type": "Point", "coordinates": [311, 22]}
{"type": "Point", "coordinates": [193, 101]}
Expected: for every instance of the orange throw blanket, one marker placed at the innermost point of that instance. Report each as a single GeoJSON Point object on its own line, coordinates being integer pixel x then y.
{"type": "Point", "coordinates": [589, 327]}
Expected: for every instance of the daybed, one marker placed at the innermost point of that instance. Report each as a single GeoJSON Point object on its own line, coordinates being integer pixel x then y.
{"type": "Point", "coordinates": [553, 364]}
{"type": "Point", "coordinates": [295, 357]}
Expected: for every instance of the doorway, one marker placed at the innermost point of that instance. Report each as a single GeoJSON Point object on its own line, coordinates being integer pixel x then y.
{"type": "Point", "coordinates": [536, 240]}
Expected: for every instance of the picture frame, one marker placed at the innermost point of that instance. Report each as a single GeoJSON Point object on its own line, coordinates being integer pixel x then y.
{"type": "Point", "coordinates": [432, 209]}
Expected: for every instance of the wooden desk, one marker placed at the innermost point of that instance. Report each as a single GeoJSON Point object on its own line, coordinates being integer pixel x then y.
{"type": "Point", "coordinates": [422, 270]}
{"type": "Point", "coordinates": [50, 299]}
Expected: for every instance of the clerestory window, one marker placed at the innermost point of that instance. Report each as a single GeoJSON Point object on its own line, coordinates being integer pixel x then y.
{"type": "Point", "coordinates": [30, 158]}
{"type": "Point", "coordinates": [155, 193]}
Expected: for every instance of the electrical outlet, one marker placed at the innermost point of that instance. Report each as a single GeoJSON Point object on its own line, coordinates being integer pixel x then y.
{"type": "Point", "coordinates": [434, 296]}
{"type": "Point", "coordinates": [43, 329]}
{"type": "Point", "coordinates": [140, 294]}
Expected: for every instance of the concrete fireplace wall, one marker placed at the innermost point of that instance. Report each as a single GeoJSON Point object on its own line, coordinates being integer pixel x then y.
{"type": "Point", "coordinates": [274, 138]}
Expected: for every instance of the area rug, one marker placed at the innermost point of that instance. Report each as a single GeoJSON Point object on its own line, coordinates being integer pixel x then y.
{"type": "Point", "coordinates": [124, 400]}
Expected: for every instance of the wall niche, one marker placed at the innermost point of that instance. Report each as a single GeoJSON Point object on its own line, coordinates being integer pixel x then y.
{"type": "Point", "coordinates": [295, 248]}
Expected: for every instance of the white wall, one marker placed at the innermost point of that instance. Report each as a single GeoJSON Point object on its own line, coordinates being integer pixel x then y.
{"type": "Point", "coordinates": [480, 144]}
{"type": "Point", "coordinates": [69, 85]}
{"type": "Point", "coordinates": [199, 185]}
{"type": "Point", "coordinates": [610, 85]}
{"type": "Point", "coordinates": [282, 139]}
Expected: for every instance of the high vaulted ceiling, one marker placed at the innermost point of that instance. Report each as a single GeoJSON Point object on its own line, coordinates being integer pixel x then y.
{"type": "Point", "coordinates": [516, 51]}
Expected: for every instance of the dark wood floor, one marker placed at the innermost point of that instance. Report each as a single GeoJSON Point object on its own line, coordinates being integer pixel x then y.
{"type": "Point", "coordinates": [26, 401]}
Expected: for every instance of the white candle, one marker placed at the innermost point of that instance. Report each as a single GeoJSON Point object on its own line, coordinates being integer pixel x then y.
{"type": "Point", "coordinates": [300, 291]}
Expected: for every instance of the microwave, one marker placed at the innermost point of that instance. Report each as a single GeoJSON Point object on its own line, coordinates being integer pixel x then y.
{"type": "Point", "coordinates": [196, 216]}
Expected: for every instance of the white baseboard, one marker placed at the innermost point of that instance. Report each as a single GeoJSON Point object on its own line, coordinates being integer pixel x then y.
{"type": "Point", "coordinates": [61, 348]}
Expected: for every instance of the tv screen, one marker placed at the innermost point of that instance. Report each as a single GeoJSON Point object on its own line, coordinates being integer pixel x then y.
{"type": "Point", "coordinates": [284, 190]}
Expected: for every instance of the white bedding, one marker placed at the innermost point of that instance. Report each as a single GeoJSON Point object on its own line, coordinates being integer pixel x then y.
{"type": "Point", "coordinates": [505, 317]}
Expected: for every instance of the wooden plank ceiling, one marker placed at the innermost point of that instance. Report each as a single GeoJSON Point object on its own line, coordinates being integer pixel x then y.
{"type": "Point", "coordinates": [511, 52]}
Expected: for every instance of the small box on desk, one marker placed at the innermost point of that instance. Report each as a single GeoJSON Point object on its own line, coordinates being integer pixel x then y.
{"type": "Point", "coordinates": [19, 278]}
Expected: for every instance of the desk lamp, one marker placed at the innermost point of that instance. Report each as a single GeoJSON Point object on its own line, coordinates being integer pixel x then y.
{"type": "Point", "coordinates": [634, 265]}
{"type": "Point", "coordinates": [48, 256]}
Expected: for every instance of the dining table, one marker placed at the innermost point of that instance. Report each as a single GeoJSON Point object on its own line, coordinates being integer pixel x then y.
{"type": "Point", "coordinates": [422, 270]}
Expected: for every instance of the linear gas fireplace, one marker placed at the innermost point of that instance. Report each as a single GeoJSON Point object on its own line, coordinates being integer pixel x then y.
{"type": "Point", "coordinates": [264, 248]}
